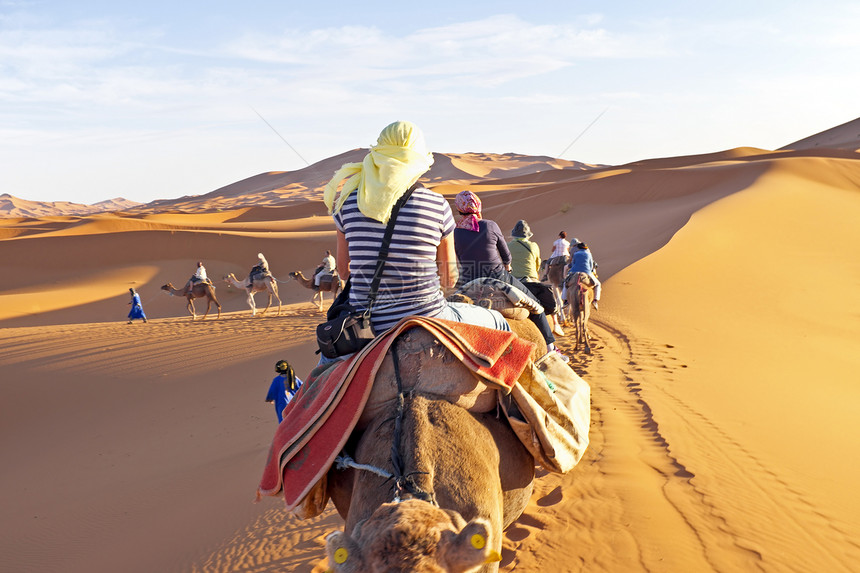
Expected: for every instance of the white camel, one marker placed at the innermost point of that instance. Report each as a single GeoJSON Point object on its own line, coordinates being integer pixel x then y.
{"type": "Point", "coordinates": [265, 284]}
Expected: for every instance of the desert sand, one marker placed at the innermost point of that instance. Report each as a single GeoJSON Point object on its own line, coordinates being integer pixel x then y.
{"type": "Point", "coordinates": [725, 393]}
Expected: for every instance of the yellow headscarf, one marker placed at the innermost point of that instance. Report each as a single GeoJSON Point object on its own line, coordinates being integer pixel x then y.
{"type": "Point", "coordinates": [393, 165]}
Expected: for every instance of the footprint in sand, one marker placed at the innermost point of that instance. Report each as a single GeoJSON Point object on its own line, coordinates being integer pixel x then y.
{"type": "Point", "coordinates": [552, 498]}
{"type": "Point", "coordinates": [530, 521]}
{"type": "Point", "coordinates": [516, 533]}
{"type": "Point", "coordinates": [523, 527]}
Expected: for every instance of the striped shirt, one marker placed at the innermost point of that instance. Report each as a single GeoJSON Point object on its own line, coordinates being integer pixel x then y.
{"type": "Point", "coordinates": [410, 279]}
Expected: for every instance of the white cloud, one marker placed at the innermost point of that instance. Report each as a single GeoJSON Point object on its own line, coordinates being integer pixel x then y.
{"type": "Point", "coordinates": [128, 92]}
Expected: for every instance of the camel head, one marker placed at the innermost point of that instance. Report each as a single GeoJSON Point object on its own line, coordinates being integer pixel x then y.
{"type": "Point", "coordinates": [168, 287]}
{"type": "Point", "coordinates": [412, 535]}
{"type": "Point", "coordinates": [295, 274]}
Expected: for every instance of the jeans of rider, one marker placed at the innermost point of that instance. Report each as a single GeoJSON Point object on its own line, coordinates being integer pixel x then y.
{"type": "Point", "coordinates": [543, 294]}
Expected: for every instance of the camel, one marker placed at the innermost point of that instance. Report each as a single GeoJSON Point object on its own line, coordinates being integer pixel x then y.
{"type": "Point", "coordinates": [555, 276]}
{"type": "Point", "coordinates": [199, 290]}
{"type": "Point", "coordinates": [335, 286]}
{"type": "Point", "coordinates": [265, 284]}
{"type": "Point", "coordinates": [580, 294]}
{"type": "Point", "coordinates": [460, 468]}
{"type": "Point", "coordinates": [460, 478]}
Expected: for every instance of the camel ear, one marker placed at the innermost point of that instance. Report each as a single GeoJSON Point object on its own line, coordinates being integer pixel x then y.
{"type": "Point", "coordinates": [343, 554]}
{"type": "Point", "coordinates": [471, 548]}
{"type": "Point", "coordinates": [456, 518]}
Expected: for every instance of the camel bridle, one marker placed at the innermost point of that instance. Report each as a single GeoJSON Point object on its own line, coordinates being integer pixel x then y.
{"type": "Point", "coordinates": [404, 484]}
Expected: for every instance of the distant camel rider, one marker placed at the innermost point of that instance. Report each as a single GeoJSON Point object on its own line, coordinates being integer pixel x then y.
{"type": "Point", "coordinates": [199, 276]}
{"type": "Point", "coordinates": [560, 247]}
{"type": "Point", "coordinates": [327, 268]}
{"type": "Point", "coordinates": [258, 271]}
{"type": "Point", "coordinates": [583, 262]}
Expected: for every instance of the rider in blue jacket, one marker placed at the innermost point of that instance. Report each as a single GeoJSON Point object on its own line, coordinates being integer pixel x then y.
{"type": "Point", "coordinates": [583, 262]}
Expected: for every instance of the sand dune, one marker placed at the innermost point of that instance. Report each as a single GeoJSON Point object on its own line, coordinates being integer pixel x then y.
{"type": "Point", "coordinates": [724, 394]}
{"type": "Point", "coordinates": [11, 206]}
{"type": "Point", "coordinates": [845, 136]}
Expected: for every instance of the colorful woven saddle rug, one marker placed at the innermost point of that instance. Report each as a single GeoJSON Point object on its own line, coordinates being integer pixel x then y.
{"type": "Point", "coordinates": [333, 400]}
{"type": "Point", "coordinates": [546, 403]}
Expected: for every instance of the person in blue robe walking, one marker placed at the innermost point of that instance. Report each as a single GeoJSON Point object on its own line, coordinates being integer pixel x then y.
{"type": "Point", "coordinates": [136, 307]}
{"type": "Point", "coordinates": [283, 387]}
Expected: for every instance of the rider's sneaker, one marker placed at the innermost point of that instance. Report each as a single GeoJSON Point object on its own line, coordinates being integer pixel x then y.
{"type": "Point", "coordinates": [564, 358]}
{"type": "Point", "coordinates": [594, 304]}
{"type": "Point", "coordinates": [558, 331]}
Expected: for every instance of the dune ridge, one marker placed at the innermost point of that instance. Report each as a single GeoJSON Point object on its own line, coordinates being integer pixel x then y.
{"type": "Point", "coordinates": [723, 386]}
{"type": "Point", "coordinates": [15, 207]}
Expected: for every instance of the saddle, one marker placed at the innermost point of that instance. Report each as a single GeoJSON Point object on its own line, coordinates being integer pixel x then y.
{"type": "Point", "coordinates": [584, 279]}
{"type": "Point", "coordinates": [319, 420]}
{"type": "Point", "coordinates": [546, 403]}
{"type": "Point", "coordinates": [498, 295]}
{"type": "Point", "coordinates": [258, 275]}
{"type": "Point", "coordinates": [326, 281]}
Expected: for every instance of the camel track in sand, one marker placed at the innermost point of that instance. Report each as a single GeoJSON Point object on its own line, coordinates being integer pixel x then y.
{"type": "Point", "coordinates": [718, 488]}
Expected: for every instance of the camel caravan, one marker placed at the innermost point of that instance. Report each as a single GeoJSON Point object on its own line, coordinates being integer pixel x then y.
{"type": "Point", "coordinates": [259, 279]}
{"type": "Point", "coordinates": [426, 440]}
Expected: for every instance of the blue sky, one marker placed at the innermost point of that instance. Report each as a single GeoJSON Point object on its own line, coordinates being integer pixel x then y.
{"type": "Point", "coordinates": [149, 100]}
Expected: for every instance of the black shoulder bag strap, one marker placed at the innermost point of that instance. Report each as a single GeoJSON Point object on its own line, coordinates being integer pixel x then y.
{"type": "Point", "coordinates": [386, 244]}
{"type": "Point", "coordinates": [523, 245]}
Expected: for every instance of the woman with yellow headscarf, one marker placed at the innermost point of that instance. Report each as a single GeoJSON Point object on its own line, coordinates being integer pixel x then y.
{"type": "Point", "coordinates": [393, 165]}
{"type": "Point", "coordinates": [421, 257]}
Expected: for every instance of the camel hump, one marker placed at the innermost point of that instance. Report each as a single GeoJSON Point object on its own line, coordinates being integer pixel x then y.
{"type": "Point", "coordinates": [427, 367]}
